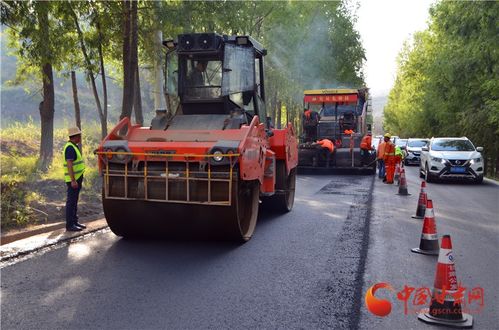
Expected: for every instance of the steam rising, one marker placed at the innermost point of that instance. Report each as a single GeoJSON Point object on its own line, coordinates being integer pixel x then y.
{"type": "Point", "coordinates": [304, 53]}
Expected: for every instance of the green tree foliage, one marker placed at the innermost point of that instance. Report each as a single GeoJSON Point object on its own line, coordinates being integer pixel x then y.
{"type": "Point", "coordinates": [447, 78]}
{"type": "Point", "coordinates": [310, 44]}
{"type": "Point", "coordinates": [41, 46]}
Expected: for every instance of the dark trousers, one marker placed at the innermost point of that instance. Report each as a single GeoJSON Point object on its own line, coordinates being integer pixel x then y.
{"type": "Point", "coordinates": [364, 156]}
{"type": "Point", "coordinates": [323, 153]}
{"type": "Point", "coordinates": [72, 203]}
{"type": "Point", "coordinates": [310, 134]}
{"type": "Point", "coordinates": [381, 166]}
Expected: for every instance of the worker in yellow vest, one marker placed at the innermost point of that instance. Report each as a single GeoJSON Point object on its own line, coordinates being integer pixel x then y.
{"type": "Point", "coordinates": [74, 167]}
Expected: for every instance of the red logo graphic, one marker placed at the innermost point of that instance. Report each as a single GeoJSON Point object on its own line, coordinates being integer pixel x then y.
{"type": "Point", "coordinates": [379, 307]}
{"type": "Point", "coordinates": [423, 296]}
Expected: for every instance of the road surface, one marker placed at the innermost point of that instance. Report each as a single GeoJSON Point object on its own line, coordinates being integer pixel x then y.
{"type": "Point", "coordinates": [309, 268]}
{"type": "Point", "coordinates": [302, 269]}
{"type": "Point", "coordinates": [467, 212]}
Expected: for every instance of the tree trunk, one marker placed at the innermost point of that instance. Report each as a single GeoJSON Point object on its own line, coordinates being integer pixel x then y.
{"type": "Point", "coordinates": [134, 54]}
{"type": "Point", "coordinates": [88, 68]}
{"type": "Point", "coordinates": [126, 106]}
{"type": "Point", "coordinates": [75, 100]}
{"type": "Point", "coordinates": [159, 101]}
{"type": "Point", "coordinates": [279, 113]}
{"type": "Point", "coordinates": [47, 105]}
{"type": "Point", "coordinates": [47, 119]}
{"type": "Point", "coordinates": [274, 107]}
{"type": "Point", "coordinates": [287, 113]}
{"type": "Point", "coordinates": [104, 84]}
{"type": "Point", "coordinates": [137, 101]}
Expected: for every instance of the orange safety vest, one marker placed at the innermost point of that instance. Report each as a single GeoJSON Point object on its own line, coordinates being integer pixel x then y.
{"type": "Point", "coordinates": [366, 142]}
{"type": "Point", "coordinates": [389, 150]}
{"type": "Point", "coordinates": [325, 143]}
{"type": "Point", "coordinates": [381, 150]}
{"type": "Point", "coordinates": [348, 131]}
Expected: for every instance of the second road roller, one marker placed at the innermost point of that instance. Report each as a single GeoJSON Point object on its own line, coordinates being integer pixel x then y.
{"type": "Point", "coordinates": [202, 169]}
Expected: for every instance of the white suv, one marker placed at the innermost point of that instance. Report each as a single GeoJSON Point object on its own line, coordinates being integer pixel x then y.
{"type": "Point", "coordinates": [453, 158]}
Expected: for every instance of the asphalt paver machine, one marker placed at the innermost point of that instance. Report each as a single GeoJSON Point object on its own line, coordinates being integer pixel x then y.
{"type": "Point", "coordinates": [343, 120]}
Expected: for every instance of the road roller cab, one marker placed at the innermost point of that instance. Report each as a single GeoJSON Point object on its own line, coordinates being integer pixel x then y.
{"type": "Point", "coordinates": [201, 169]}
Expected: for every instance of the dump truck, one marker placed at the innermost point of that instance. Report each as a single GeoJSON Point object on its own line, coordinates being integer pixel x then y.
{"type": "Point", "coordinates": [341, 117]}
{"type": "Point", "coordinates": [202, 169]}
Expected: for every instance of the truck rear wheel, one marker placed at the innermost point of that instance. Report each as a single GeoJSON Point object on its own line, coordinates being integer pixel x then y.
{"type": "Point", "coordinates": [282, 201]}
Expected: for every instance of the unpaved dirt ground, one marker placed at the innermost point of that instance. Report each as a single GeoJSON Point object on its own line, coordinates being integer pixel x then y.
{"type": "Point", "coordinates": [50, 208]}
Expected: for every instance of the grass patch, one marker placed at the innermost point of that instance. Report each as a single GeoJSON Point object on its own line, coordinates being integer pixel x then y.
{"type": "Point", "coordinates": [17, 168]}
{"type": "Point", "coordinates": [22, 185]}
{"type": "Point", "coordinates": [22, 131]}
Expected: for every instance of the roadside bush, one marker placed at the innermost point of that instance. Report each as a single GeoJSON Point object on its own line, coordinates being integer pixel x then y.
{"type": "Point", "coordinates": [14, 200]}
{"type": "Point", "coordinates": [22, 183]}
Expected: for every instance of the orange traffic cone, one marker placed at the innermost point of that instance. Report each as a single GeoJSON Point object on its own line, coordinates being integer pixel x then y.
{"type": "Point", "coordinates": [429, 238]}
{"type": "Point", "coordinates": [420, 210]}
{"type": "Point", "coordinates": [403, 184]}
{"type": "Point", "coordinates": [444, 309]}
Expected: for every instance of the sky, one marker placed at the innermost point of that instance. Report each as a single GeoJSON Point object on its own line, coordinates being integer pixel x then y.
{"type": "Point", "coordinates": [384, 25]}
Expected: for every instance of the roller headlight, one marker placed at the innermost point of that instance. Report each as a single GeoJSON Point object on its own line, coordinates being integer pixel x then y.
{"type": "Point", "coordinates": [220, 153]}
{"type": "Point", "coordinates": [109, 155]}
{"type": "Point", "coordinates": [121, 157]}
{"type": "Point", "coordinates": [218, 156]}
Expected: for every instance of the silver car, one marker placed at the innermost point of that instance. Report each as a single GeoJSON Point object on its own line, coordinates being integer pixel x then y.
{"type": "Point", "coordinates": [451, 158]}
{"type": "Point", "coordinates": [413, 149]}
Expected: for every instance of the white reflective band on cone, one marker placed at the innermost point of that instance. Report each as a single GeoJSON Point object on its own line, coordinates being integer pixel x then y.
{"type": "Point", "coordinates": [446, 257]}
{"type": "Point", "coordinates": [449, 294]}
{"type": "Point", "coordinates": [431, 237]}
{"type": "Point", "coordinates": [429, 213]}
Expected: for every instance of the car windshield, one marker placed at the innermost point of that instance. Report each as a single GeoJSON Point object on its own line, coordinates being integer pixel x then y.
{"type": "Point", "coordinates": [452, 145]}
{"type": "Point", "coordinates": [417, 143]}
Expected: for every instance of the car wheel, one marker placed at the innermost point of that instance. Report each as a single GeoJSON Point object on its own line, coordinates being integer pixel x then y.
{"type": "Point", "coordinates": [421, 175]}
{"type": "Point", "coordinates": [427, 176]}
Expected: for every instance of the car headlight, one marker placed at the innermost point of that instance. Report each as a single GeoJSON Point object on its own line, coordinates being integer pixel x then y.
{"type": "Point", "coordinates": [438, 160]}
{"type": "Point", "coordinates": [476, 160]}
{"type": "Point", "coordinates": [217, 156]}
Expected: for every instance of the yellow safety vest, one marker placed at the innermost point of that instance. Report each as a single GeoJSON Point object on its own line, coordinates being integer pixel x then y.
{"type": "Point", "coordinates": [78, 164]}
{"type": "Point", "coordinates": [398, 152]}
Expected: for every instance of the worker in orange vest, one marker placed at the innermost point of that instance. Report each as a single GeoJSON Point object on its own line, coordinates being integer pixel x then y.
{"type": "Point", "coordinates": [348, 132]}
{"type": "Point", "coordinates": [310, 120]}
{"type": "Point", "coordinates": [326, 148]}
{"type": "Point", "coordinates": [380, 155]}
{"type": "Point", "coordinates": [366, 145]}
{"type": "Point", "coordinates": [389, 158]}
